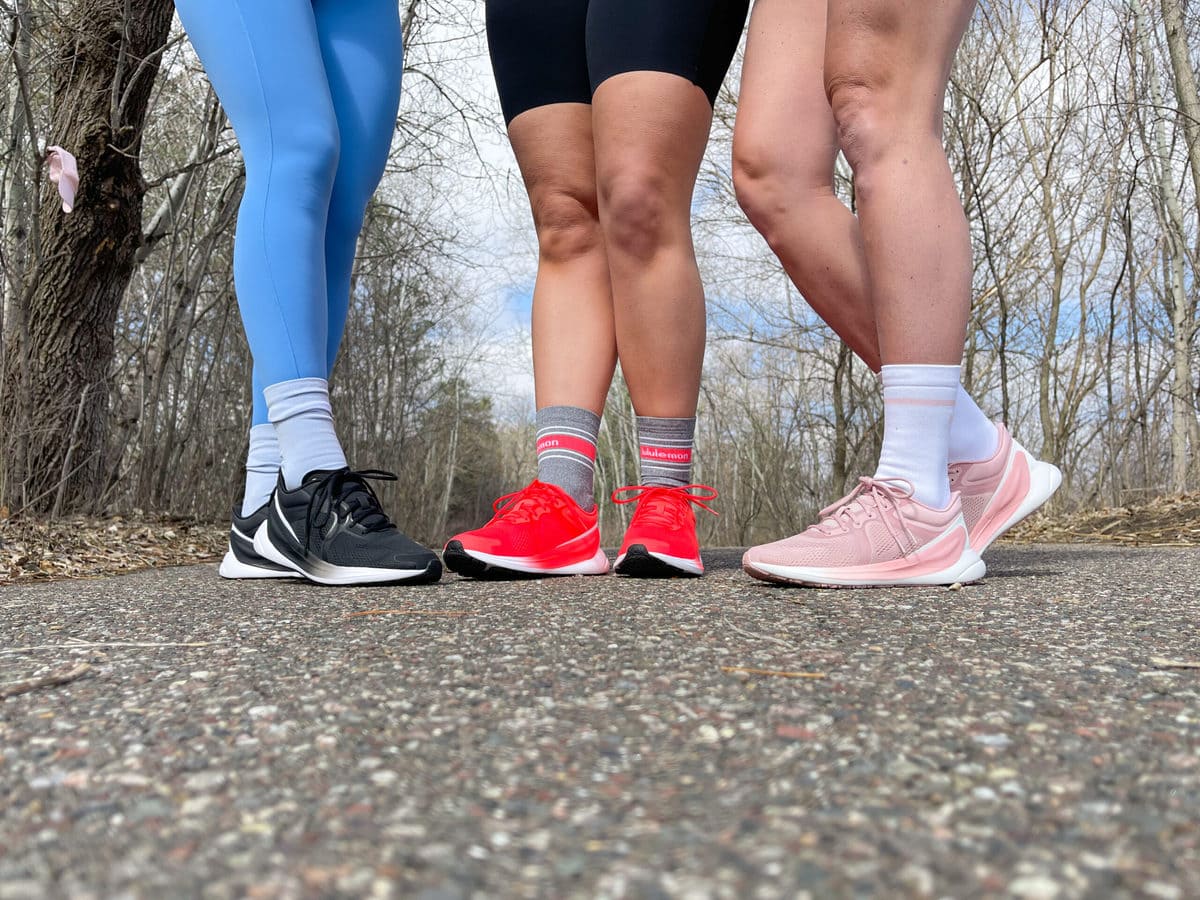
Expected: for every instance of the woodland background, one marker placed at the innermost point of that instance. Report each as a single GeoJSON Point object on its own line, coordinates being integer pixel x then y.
{"type": "Point", "coordinates": [1073, 128]}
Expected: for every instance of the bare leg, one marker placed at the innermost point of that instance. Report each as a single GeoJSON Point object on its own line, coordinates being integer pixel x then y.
{"type": "Point", "coordinates": [784, 149]}
{"type": "Point", "coordinates": [651, 130]}
{"type": "Point", "coordinates": [887, 63]}
{"type": "Point", "coordinates": [574, 347]}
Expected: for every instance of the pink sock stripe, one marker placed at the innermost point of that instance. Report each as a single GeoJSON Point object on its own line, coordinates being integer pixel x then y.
{"type": "Point", "coordinates": [677, 455]}
{"type": "Point", "coordinates": [566, 442]}
{"type": "Point", "coordinates": [915, 401]}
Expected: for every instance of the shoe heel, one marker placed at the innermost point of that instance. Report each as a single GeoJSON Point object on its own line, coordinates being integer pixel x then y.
{"type": "Point", "coordinates": [973, 572]}
{"type": "Point", "coordinates": [264, 548]}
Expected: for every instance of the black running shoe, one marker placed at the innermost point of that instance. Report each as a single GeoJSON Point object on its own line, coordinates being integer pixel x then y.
{"type": "Point", "coordinates": [332, 530]}
{"type": "Point", "coordinates": [241, 560]}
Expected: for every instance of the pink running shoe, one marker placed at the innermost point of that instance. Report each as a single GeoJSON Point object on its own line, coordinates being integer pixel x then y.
{"type": "Point", "coordinates": [877, 536]}
{"type": "Point", "coordinates": [998, 493]}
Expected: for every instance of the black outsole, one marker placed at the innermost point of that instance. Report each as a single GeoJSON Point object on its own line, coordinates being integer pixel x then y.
{"type": "Point", "coordinates": [640, 563]}
{"type": "Point", "coordinates": [459, 560]}
{"type": "Point", "coordinates": [431, 575]}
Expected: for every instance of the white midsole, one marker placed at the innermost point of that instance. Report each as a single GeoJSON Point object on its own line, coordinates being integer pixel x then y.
{"type": "Point", "coordinates": [325, 573]}
{"type": "Point", "coordinates": [969, 567]}
{"type": "Point", "coordinates": [691, 566]}
{"type": "Point", "coordinates": [233, 568]}
{"type": "Point", "coordinates": [597, 565]}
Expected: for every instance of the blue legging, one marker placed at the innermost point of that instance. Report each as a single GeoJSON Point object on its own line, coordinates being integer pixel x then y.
{"type": "Point", "coordinates": [312, 88]}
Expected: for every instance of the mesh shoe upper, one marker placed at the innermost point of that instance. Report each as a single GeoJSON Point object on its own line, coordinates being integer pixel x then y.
{"type": "Point", "coordinates": [337, 517]}
{"type": "Point", "coordinates": [876, 524]}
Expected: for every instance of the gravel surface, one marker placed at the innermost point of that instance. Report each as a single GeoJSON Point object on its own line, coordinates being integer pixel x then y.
{"type": "Point", "coordinates": [1035, 736]}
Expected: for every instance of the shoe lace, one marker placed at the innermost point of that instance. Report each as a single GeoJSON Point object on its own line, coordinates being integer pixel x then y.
{"type": "Point", "coordinates": [527, 504]}
{"type": "Point", "coordinates": [664, 506]}
{"type": "Point", "coordinates": [859, 505]}
{"type": "Point", "coordinates": [349, 490]}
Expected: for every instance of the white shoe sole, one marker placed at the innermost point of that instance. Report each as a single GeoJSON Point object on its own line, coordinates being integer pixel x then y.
{"type": "Point", "coordinates": [321, 572]}
{"type": "Point", "coordinates": [236, 570]}
{"type": "Point", "coordinates": [967, 570]}
{"type": "Point", "coordinates": [597, 565]}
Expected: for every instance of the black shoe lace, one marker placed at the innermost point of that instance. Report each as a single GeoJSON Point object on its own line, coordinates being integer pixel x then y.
{"type": "Point", "coordinates": [348, 489]}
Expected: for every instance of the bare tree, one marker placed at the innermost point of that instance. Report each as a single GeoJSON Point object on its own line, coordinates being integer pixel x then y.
{"type": "Point", "coordinates": [60, 346]}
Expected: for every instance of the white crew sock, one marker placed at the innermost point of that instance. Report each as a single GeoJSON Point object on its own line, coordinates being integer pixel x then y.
{"type": "Point", "coordinates": [262, 467]}
{"type": "Point", "coordinates": [973, 436]}
{"type": "Point", "coordinates": [303, 420]}
{"type": "Point", "coordinates": [918, 404]}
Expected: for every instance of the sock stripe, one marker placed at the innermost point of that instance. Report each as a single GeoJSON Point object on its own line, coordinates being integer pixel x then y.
{"type": "Point", "coordinates": [558, 442]}
{"type": "Point", "coordinates": [916, 401]}
{"type": "Point", "coordinates": [565, 455]}
{"type": "Point", "coordinates": [573, 432]}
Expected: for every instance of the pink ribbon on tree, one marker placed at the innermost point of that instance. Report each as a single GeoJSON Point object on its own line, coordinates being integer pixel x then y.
{"type": "Point", "coordinates": [64, 171]}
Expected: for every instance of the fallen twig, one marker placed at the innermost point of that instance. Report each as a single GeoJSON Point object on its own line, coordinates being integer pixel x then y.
{"type": "Point", "coordinates": [759, 637]}
{"type": "Point", "coordinates": [83, 645]}
{"type": "Point", "coordinates": [445, 614]}
{"type": "Point", "coordinates": [1160, 662]}
{"type": "Point", "coordinates": [774, 673]}
{"type": "Point", "coordinates": [13, 688]}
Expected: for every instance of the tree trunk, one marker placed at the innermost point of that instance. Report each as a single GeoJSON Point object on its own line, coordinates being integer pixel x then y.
{"type": "Point", "coordinates": [1188, 97]}
{"type": "Point", "coordinates": [1174, 251]}
{"type": "Point", "coordinates": [107, 60]}
{"type": "Point", "coordinates": [1185, 85]}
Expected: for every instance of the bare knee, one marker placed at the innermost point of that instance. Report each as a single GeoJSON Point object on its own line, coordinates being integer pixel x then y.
{"type": "Point", "coordinates": [877, 123]}
{"type": "Point", "coordinates": [567, 223]}
{"type": "Point", "coordinates": [776, 190]}
{"type": "Point", "coordinates": [637, 213]}
{"type": "Point", "coordinates": [761, 184]}
{"type": "Point", "coordinates": [860, 111]}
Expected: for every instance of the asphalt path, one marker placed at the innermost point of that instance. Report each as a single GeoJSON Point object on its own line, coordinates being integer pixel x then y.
{"type": "Point", "coordinates": [1034, 736]}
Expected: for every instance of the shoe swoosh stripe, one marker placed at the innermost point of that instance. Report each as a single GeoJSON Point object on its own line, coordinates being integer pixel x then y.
{"type": "Point", "coordinates": [283, 519]}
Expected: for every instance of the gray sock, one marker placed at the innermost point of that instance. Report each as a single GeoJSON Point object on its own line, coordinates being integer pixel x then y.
{"type": "Point", "coordinates": [566, 451]}
{"type": "Point", "coordinates": [262, 467]}
{"type": "Point", "coordinates": [665, 446]}
{"type": "Point", "coordinates": [303, 421]}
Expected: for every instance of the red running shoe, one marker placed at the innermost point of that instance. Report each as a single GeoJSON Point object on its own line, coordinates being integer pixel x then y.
{"type": "Point", "coordinates": [539, 530]}
{"type": "Point", "coordinates": [661, 540]}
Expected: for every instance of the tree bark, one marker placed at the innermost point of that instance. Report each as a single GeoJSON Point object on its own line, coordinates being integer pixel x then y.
{"type": "Point", "coordinates": [107, 58]}
{"type": "Point", "coordinates": [1185, 84]}
{"type": "Point", "coordinates": [1174, 251]}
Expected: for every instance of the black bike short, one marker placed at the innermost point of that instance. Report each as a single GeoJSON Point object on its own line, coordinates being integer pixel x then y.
{"type": "Point", "coordinates": [560, 51]}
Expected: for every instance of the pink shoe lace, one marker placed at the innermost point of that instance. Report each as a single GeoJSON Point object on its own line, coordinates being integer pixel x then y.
{"type": "Point", "coordinates": [860, 504]}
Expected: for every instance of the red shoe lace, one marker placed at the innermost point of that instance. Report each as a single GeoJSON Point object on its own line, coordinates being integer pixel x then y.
{"type": "Point", "coordinates": [527, 504]}
{"type": "Point", "coordinates": [669, 512]}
